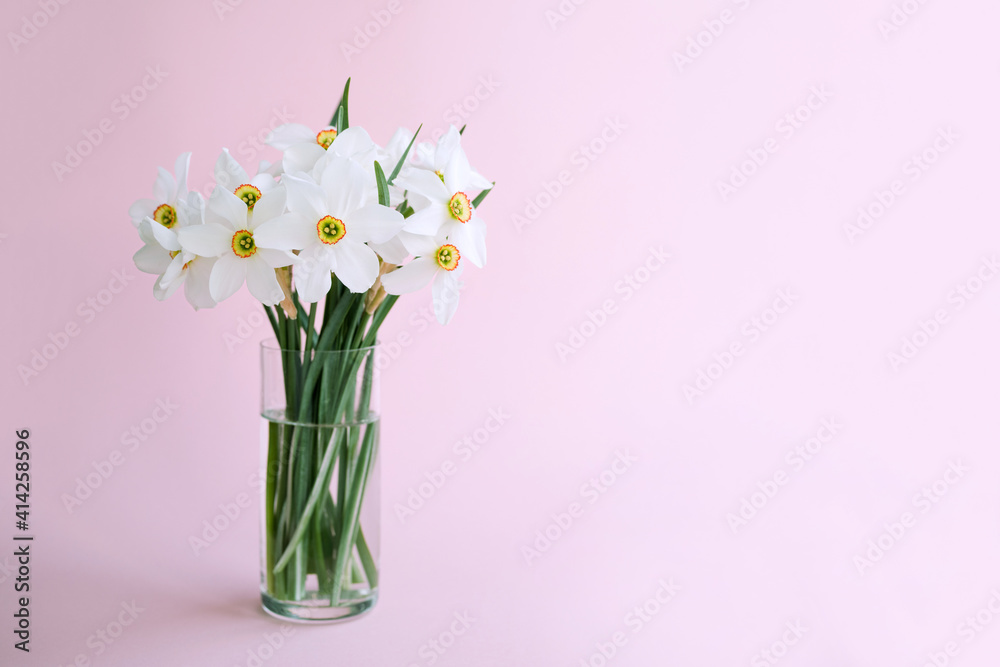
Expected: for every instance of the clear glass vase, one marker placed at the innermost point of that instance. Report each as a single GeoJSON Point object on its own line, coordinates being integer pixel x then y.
{"type": "Point", "coordinates": [320, 508]}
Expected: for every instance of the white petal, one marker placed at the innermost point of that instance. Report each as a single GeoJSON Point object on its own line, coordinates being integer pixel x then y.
{"type": "Point", "coordinates": [446, 291]}
{"type": "Point", "coordinates": [479, 182]}
{"type": "Point", "coordinates": [264, 182]}
{"type": "Point", "coordinates": [229, 175]}
{"type": "Point", "coordinates": [151, 259]}
{"type": "Point", "coordinates": [426, 183]}
{"type": "Point", "coordinates": [175, 272]}
{"type": "Point", "coordinates": [165, 186]}
{"type": "Point", "coordinates": [427, 221]}
{"type": "Point", "coordinates": [269, 207]}
{"type": "Point", "coordinates": [262, 283]}
{"type": "Point", "coordinates": [145, 230]}
{"type": "Point", "coordinates": [181, 167]}
{"type": "Point", "coordinates": [209, 240]}
{"type": "Point", "coordinates": [312, 274]}
{"type": "Point", "coordinates": [196, 207]}
{"type": "Point", "coordinates": [224, 207]}
{"type": "Point", "coordinates": [446, 147]}
{"type": "Point", "coordinates": [470, 238]}
{"type": "Point", "coordinates": [352, 142]}
{"type": "Point", "coordinates": [357, 265]}
{"type": "Point", "coordinates": [165, 237]}
{"type": "Point", "coordinates": [401, 138]}
{"type": "Point", "coordinates": [163, 291]}
{"type": "Point", "coordinates": [410, 277]}
{"type": "Point", "coordinates": [290, 134]}
{"type": "Point", "coordinates": [392, 251]}
{"type": "Point", "coordinates": [423, 155]}
{"type": "Point", "coordinates": [344, 183]}
{"type": "Point", "coordinates": [374, 222]}
{"type": "Point", "coordinates": [266, 167]}
{"type": "Point", "coordinates": [288, 232]}
{"type": "Point", "coordinates": [227, 277]}
{"type": "Point", "coordinates": [305, 197]}
{"type": "Point", "coordinates": [196, 283]}
{"type": "Point", "coordinates": [141, 209]}
{"type": "Point", "coordinates": [458, 173]}
{"type": "Point", "coordinates": [418, 244]}
{"type": "Point", "coordinates": [302, 157]}
{"type": "Point", "coordinates": [275, 258]}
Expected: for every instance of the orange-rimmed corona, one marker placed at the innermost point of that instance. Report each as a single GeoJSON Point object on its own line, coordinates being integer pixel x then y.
{"type": "Point", "coordinates": [447, 257]}
{"type": "Point", "coordinates": [243, 244]}
{"type": "Point", "coordinates": [249, 194]}
{"type": "Point", "coordinates": [330, 230]}
{"type": "Point", "coordinates": [165, 215]}
{"type": "Point", "coordinates": [325, 137]}
{"type": "Point", "coordinates": [460, 207]}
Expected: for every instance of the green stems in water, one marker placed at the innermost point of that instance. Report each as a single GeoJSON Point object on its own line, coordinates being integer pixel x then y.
{"type": "Point", "coordinates": [321, 452]}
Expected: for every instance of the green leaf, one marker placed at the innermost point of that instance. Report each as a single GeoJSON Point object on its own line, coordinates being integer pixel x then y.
{"type": "Point", "coordinates": [342, 123]}
{"type": "Point", "coordinates": [462, 131]}
{"type": "Point", "coordinates": [402, 160]}
{"type": "Point", "coordinates": [335, 121]}
{"type": "Point", "coordinates": [383, 187]}
{"type": "Point", "coordinates": [405, 209]}
{"type": "Point", "coordinates": [481, 196]}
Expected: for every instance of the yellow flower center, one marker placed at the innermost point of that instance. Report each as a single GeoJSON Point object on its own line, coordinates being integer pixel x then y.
{"type": "Point", "coordinates": [249, 194]}
{"type": "Point", "coordinates": [447, 257]}
{"type": "Point", "coordinates": [243, 244]}
{"type": "Point", "coordinates": [330, 230]}
{"type": "Point", "coordinates": [325, 137]}
{"type": "Point", "coordinates": [460, 207]}
{"type": "Point", "coordinates": [165, 215]}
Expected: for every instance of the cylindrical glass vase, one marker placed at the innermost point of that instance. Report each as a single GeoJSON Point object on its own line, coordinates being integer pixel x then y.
{"type": "Point", "coordinates": [320, 508]}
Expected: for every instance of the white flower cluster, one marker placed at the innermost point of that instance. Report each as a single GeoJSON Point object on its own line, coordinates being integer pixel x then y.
{"type": "Point", "coordinates": [315, 215]}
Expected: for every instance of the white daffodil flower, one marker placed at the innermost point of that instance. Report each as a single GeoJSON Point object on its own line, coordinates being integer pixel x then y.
{"type": "Point", "coordinates": [330, 222]}
{"type": "Point", "coordinates": [395, 251]}
{"type": "Point", "coordinates": [308, 152]}
{"type": "Point", "coordinates": [390, 156]}
{"type": "Point", "coordinates": [163, 256]}
{"type": "Point", "coordinates": [231, 176]}
{"type": "Point", "coordinates": [169, 205]}
{"type": "Point", "coordinates": [229, 233]}
{"type": "Point", "coordinates": [394, 150]}
{"type": "Point", "coordinates": [449, 211]}
{"type": "Point", "coordinates": [301, 147]}
{"type": "Point", "coordinates": [436, 157]}
{"type": "Point", "coordinates": [356, 145]}
{"type": "Point", "coordinates": [437, 263]}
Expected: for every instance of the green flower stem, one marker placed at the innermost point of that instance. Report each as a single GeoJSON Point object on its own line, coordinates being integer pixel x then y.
{"type": "Point", "coordinates": [352, 510]}
{"type": "Point", "coordinates": [367, 561]}
{"type": "Point", "coordinates": [272, 455]}
{"type": "Point", "coordinates": [314, 496]}
{"type": "Point", "coordinates": [308, 529]}
{"type": "Point", "coordinates": [310, 339]}
{"type": "Point", "coordinates": [302, 507]}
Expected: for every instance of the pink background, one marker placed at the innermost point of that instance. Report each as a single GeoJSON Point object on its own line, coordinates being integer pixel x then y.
{"type": "Point", "coordinates": [676, 133]}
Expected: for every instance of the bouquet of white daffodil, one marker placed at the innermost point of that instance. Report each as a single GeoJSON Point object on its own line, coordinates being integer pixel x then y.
{"type": "Point", "coordinates": [326, 240]}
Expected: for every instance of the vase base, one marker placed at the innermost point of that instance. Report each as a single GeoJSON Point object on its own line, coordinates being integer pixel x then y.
{"type": "Point", "coordinates": [316, 611]}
